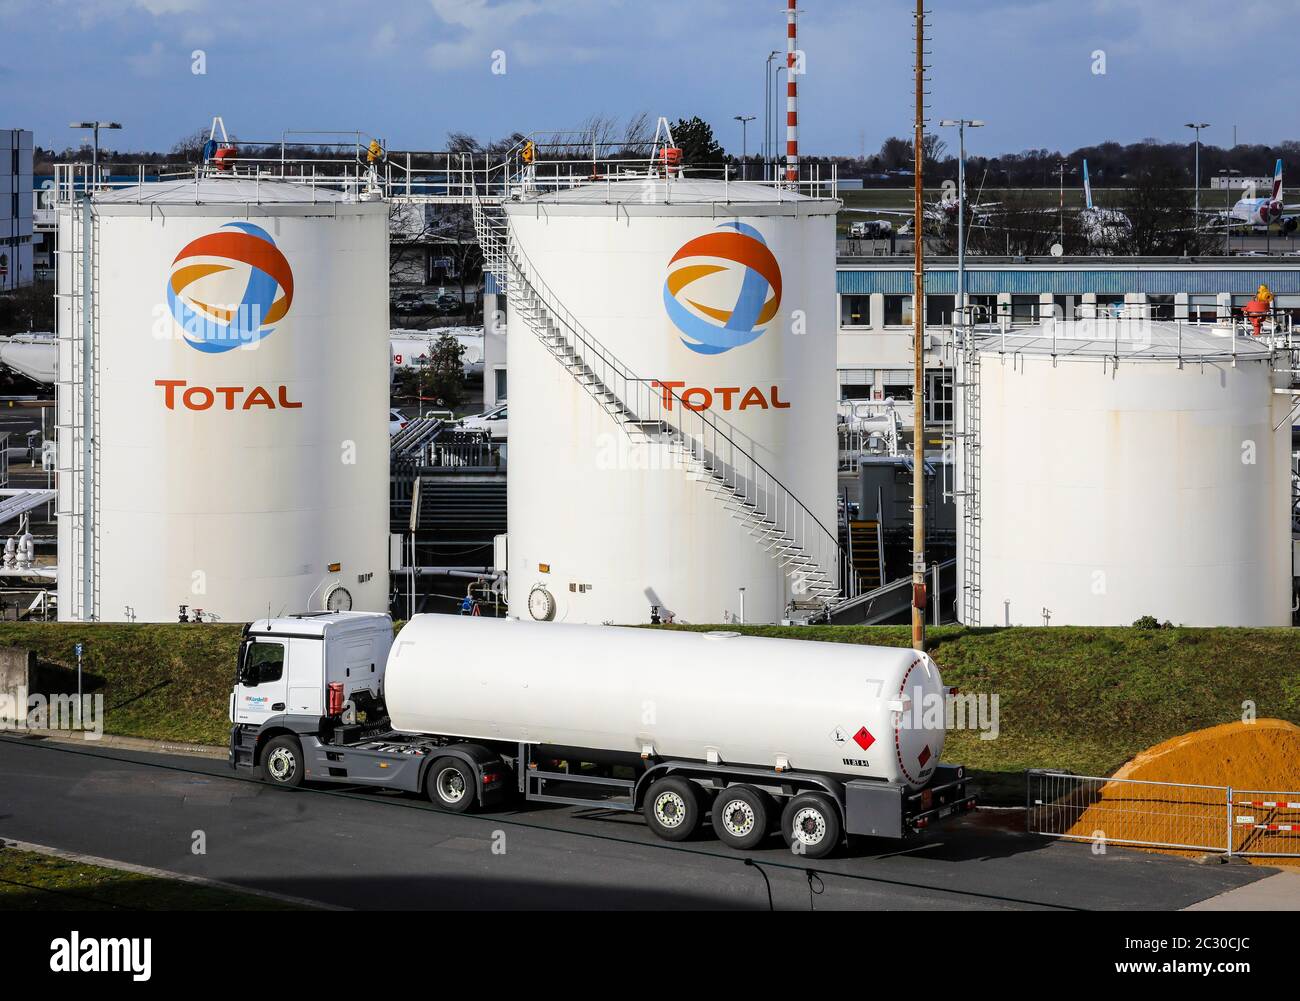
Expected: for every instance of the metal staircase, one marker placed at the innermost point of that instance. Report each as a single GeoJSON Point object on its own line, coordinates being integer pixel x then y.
{"type": "Point", "coordinates": [864, 543]}
{"type": "Point", "coordinates": [707, 448]}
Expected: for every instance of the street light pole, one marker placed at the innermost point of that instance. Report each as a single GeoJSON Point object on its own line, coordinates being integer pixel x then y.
{"type": "Point", "coordinates": [744, 143]}
{"type": "Point", "coordinates": [961, 124]}
{"type": "Point", "coordinates": [767, 112]}
{"type": "Point", "coordinates": [1226, 174]}
{"type": "Point", "coordinates": [94, 155]}
{"type": "Point", "coordinates": [1197, 126]}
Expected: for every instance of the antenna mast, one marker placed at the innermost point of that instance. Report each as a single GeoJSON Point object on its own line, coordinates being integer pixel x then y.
{"type": "Point", "coordinates": [792, 70]}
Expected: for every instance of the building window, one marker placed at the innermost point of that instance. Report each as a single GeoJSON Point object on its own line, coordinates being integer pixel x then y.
{"type": "Point", "coordinates": [938, 398]}
{"type": "Point", "coordinates": [898, 384]}
{"type": "Point", "coordinates": [856, 383]}
{"type": "Point", "coordinates": [500, 374]}
{"type": "Point", "coordinates": [1287, 306]}
{"type": "Point", "coordinates": [1024, 309]}
{"type": "Point", "coordinates": [983, 308]}
{"type": "Point", "coordinates": [1203, 308]}
{"type": "Point", "coordinates": [855, 311]}
{"type": "Point", "coordinates": [939, 309]}
{"type": "Point", "coordinates": [1109, 306]}
{"type": "Point", "coordinates": [1065, 306]}
{"type": "Point", "coordinates": [898, 311]}
{"type": "Point", "coordinates": [1160, 307]}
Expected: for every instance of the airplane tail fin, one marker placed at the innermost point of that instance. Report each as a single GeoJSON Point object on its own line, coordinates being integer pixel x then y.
{"type": "Point", "coordinates": [1277, 181]}
{"type": "Point", "coordinates": [1087, 185]}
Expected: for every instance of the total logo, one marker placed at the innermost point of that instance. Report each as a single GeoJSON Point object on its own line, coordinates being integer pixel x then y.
{"type": "Point", "coordinates": [216, 265]}
{"type": "Point", "coordinates": [723, 289]}
{"type": "Point", "coordinates": [226, 290]}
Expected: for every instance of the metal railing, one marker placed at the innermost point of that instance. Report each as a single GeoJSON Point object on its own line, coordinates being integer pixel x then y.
{"type": "Point", "coordinates": [712, 450]}
{"type": "Point", "coordinates": [439, 177]}
{"type": "Point", "coordinates": [1172, 815]}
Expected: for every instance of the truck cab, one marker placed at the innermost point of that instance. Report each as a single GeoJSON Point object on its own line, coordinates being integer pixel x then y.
{"type": "Point", "coordinates": [287, 666]}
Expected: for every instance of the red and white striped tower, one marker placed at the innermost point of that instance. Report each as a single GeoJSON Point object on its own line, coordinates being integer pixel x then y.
{"type": "Point", "coordinates": [792, 94]}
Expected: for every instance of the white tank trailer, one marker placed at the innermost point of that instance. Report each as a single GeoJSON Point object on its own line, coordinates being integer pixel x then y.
{"type": "Point", "coordinates": [818, 739]}
{"type": "Point", "coordinates": [238, 402]}
{"type": "Point", "coordinates": [696, 300]}
{"type": "Point", "coordinates": [1117, 469]}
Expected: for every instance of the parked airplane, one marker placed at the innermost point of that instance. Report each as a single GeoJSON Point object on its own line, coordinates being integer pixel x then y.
{"type": "Point", "coordinates": [1261, 211]}
{"type": "Point", "coordinates": [1101, 226]}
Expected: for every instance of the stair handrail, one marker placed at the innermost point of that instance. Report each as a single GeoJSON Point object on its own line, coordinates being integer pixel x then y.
{"type": "Point", "coordinates": [517, 258]}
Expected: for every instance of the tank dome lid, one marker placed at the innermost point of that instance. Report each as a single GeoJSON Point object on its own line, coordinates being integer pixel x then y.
{"type": "Point", "coordinates": [220, 191]}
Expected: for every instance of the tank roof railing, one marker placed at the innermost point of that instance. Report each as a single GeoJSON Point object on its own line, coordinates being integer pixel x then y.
{"type": "Point", "coordinates": [449, 177]}
{"type": "Point", "coordinates": [1133, 339]}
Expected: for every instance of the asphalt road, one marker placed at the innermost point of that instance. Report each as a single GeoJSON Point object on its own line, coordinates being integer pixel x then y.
{"type": "Point", "coordinates": [361, 849]}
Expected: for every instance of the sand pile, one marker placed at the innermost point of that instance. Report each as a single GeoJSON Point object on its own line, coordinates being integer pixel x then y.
{"type": "Point", "coordinates": [1260, 761]}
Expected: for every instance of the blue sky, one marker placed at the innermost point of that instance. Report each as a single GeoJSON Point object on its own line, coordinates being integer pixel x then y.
{"type": "Point", "coordinates": [413, 70]}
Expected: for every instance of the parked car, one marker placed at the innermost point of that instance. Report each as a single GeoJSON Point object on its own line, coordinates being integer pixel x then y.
{"type": "Point", "coordinates": [448, 305]}
{"type": "Point", "coordinates": [493, 422]}
{"type": "Point", "coordinates": [396, 421]}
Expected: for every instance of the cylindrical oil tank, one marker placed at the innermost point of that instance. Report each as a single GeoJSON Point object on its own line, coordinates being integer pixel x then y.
{"type": "Point", "coordinates": [240, 389]}
{"type": "Point", "coordinates": [722, 294]}
{"type": "Point", "coordinates": [861, 712]}
{"type": "Point", "coordinates": [1109, 474]}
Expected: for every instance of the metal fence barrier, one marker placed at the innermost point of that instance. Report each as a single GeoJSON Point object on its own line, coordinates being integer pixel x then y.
{"type": "Point", "coordinates": [1163, 814]}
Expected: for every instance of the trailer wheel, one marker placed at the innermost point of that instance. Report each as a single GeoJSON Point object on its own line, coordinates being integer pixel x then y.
{"type": "Point", "coordinates": [451, 785]}
{"type": "Point", "coordinates": [282, 762]}
{"type": "Point", "coordinates": [742, 816]}
{"type": "Point", "coordinates": [811, 825]}
{"type": "Point", "coordinates": [673, 808]}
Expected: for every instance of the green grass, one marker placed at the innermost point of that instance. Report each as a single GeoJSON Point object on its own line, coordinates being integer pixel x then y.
{"type": "Point", "coordinates": [161, 681]}
{"type": "Point", "coordinates": [30, 881]}
{"type": "Point", "coordinates": [1084, 699]}
{"type": "Point", "coordinates": [1089, 699]}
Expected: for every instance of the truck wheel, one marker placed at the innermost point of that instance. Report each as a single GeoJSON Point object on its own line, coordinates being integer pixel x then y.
{"type": "Point", "coordinates": [811, 824]}
{"type": "Point", "coordinates": [742, 816]}
{"type": "Point", "coordinates": [282, 762]}
{"type": "Point", "coordinates": [451, 785]}
{"type": "Point", "coordinates": [673, 808]}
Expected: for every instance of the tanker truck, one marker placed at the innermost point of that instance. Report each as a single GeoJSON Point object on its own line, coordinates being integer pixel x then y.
{"type": "Point", "coordinates": [749, 735]}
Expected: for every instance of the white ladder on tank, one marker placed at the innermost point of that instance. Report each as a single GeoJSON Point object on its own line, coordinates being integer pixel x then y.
{"type": "Point", "coordinates": [73, 436]}
{"type": "Point", "coordinates": [970, 485]}
{"type": "Point", "coordinates": [708, 448]}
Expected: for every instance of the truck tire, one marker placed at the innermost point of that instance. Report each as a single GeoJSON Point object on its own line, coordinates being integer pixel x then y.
{"type": "Point", "coordinates": [742, 816]}
{"type": "Point", "coordinates": [811, 825]}
{"type": "Point", "coordinates": [282, 762]}
{"type": "Point", "coordinates": [451, 785]}
{"type": "Point", "coordinates": [673, 808]}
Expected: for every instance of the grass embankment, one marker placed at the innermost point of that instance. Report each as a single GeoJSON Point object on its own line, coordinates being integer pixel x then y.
{"type": "Point", "coordinates": [162, 681]}
{"type": "Point", "coordinates": [34, 882]}
{"type": "Point", "coordinates": [1082, 699]}
{"type": "Point", "coordinates": [1089, 699]}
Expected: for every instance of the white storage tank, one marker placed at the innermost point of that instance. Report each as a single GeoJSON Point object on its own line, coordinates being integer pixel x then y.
{"type": "Point", "coordinates": [240, 448]}
{"type": "Point", "coordinates": [1109, 470]}
{"type": "Point", "coordinates": [698, 292]}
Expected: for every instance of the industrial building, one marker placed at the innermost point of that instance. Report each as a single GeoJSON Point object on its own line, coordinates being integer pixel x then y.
{"type": "Point", "coordinates": [16, 205]}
